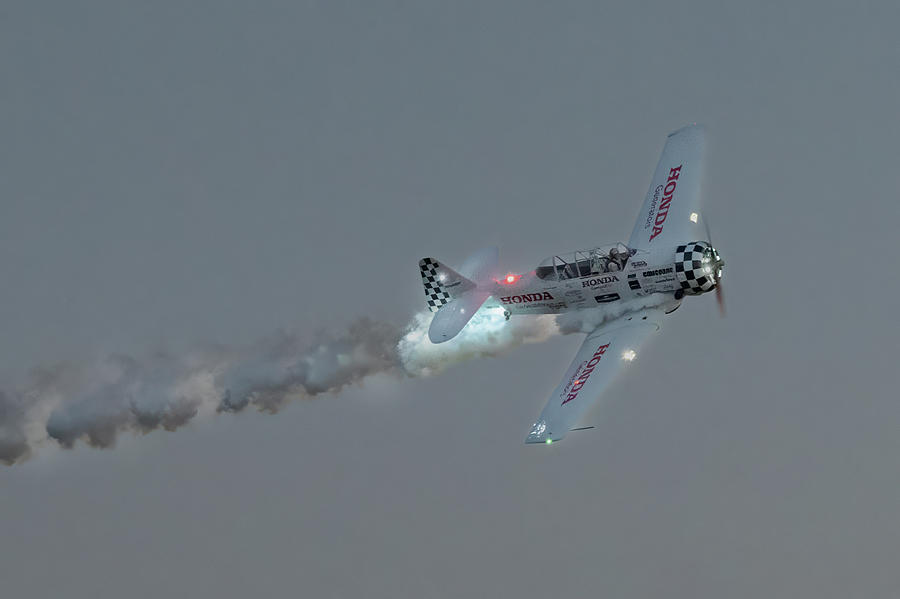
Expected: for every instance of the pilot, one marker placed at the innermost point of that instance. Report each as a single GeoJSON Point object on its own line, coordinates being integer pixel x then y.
{"type": "Point", "coordinates": [617, 260]}
{"type": "Point", "coordinates": [599, 262]}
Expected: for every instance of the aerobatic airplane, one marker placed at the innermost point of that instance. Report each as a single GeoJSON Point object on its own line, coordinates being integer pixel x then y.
{"type": "Point", "coordinates": [666, 255]}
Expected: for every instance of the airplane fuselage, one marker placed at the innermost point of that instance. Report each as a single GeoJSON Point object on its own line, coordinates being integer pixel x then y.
{"type": "Point", "coordinates": [530, 294]}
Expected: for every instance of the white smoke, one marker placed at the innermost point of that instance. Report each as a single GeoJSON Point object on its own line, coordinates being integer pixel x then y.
{"type": "Point", "coordinates": [487, 334]}
{"type": "Point", "coordinates": [585, 321]}
{"type": "Point", "coordinates": [95, 401]}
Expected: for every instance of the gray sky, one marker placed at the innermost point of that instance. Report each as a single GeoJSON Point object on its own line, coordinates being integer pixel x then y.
{"type": "Point", "coordinates": [177, 175]}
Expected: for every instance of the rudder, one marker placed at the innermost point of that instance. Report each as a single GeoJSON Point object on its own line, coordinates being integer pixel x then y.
{"type": "Point", "coordinates": [442, 283]}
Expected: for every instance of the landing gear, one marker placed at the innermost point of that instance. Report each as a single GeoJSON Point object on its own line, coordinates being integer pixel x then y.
{"type": "Point", "coordinates": [679, 293]}
{"type": "Point", "coordinates": [678, 305]}
{"type": "Point", "coordinates": [506, 314]}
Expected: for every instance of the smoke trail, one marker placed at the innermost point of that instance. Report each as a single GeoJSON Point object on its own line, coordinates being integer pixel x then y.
{"type": "Point", "coordinates": [487, 334]}
{"type": "Point", "coordinates": [94, 402]}
{"type": "Point", "coordinates": [13, 443]}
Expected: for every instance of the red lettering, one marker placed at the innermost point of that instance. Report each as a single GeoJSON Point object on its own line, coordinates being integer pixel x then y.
{"type": "Point", "coordinates": [664, 205]}
{"type": "Point", "coordinates": [661, 218]}
{"type": "Point", "coordinates": [670, 188]}
{"type": "Point", "coordinates": [663, 211]}
{"type": "Point", "coordinates": [585, 375]}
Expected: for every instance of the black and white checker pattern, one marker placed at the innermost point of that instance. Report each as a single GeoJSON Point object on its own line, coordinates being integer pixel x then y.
{"type": "Point", "coordinates": [689, 268]}
{"type": "Point", "coordinates": [435, 295]}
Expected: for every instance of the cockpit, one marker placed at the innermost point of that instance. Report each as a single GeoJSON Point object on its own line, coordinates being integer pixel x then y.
{"type": "Point", "coordinates": [584, 263]}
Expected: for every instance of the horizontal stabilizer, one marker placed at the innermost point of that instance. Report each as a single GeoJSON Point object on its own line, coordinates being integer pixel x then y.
{"type": "Point", "coordinates": [453, 316]}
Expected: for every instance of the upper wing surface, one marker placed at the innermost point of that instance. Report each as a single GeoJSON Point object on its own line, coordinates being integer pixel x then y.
{"type": "Point", "coordinates": [674, 195]}
{"type": "Point", "coordinates": [605, 352]}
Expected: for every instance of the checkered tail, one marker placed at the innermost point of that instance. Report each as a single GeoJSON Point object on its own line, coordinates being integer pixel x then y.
{"type": "Point", "coordinates": [442, 283]}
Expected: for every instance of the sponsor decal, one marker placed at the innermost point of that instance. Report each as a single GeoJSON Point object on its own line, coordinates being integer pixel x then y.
{"type": "Point", "coordinates": [600, 281]}
{"type": "Point", "coordinates": [656, 272]}
{"type": "Point", "coordinates": [652, 210]}
{"type": "Point", "coordinates": [663, 212]}
{"type": "Point", "coordinates": [634, 284]}
{"type": "Point", "coordinates": [632, 275]}
{"type": "Point", "coordinates": [607, 297]}
{"type": "Point", "coordinates": [638, 263]}
{"type": "Point", "coordinates": [526, 298]}
{"type": "Point", "coordinates": [585, 373]}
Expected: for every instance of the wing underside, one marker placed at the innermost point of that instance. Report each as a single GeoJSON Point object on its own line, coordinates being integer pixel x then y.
{"type": "Point", "coordinates": [608, 350]}
{"type": "Point", "coordinates": [670, 213]}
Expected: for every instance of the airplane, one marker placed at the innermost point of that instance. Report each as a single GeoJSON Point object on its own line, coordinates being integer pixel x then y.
{"type": "Point", "coordinates": [665, 259]}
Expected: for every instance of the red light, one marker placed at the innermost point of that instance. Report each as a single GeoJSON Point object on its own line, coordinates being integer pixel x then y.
{"type": "Point", "coordinates": [510, 279]}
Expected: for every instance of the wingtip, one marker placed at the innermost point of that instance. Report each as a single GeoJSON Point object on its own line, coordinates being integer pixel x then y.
{"type": "Point", "coordinates": [539, 435]}
{"type": "Point", "coordinates": [692, 127]}
{"type": "Point", "coordinates": [541, 441]}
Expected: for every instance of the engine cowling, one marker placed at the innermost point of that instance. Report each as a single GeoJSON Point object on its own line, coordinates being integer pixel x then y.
{"type": "Point", "coordinates": [697, 267]}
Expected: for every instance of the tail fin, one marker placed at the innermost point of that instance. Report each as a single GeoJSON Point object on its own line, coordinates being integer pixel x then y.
{"type": "Point", "coordinates": [481, 266]}
{"type": "Point", "coordinates": [442, 283]}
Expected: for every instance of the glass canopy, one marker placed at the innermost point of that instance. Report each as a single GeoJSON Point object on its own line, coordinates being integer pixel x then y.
{"type": "Point", "coordinates": [584, 263]}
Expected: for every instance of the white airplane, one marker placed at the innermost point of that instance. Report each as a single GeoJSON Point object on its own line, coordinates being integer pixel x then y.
{"type": "Point", "coordinates": [665, 255]}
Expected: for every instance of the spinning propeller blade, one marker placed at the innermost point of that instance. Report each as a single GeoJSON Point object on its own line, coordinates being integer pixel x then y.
{"type": "Point", "coordinates": [720, 296]}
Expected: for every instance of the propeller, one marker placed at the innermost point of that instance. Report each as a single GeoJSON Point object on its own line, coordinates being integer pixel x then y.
{"type": "Point", "coordinates": [717, 272]}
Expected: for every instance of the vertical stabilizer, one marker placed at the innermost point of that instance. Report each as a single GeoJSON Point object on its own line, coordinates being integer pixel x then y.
{"type": "Point", "coordinates": [442, 283]}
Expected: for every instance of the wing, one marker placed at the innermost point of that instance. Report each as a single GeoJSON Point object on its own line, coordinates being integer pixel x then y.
{"type": "Point", "coordinates": [608, 350]}
{"type": "Point", "coordinates": [665, 219]}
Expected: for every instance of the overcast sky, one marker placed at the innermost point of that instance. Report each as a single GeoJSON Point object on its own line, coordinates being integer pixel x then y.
{"type": "Point", "coordinates": [175, 174]}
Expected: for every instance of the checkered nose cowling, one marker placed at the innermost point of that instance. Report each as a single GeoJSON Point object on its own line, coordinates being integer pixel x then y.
{"type": "Point", "coordinates": [691, 271]}
{"type": "Point", "coordinates": [435, 294]}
